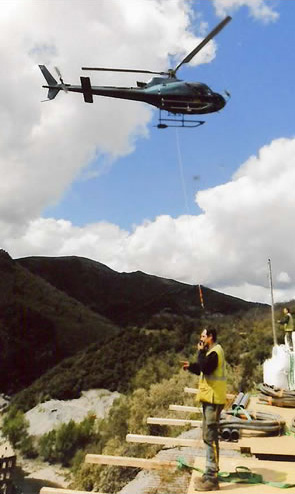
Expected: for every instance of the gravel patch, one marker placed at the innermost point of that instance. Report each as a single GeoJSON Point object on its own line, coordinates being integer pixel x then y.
{"type": "Point", "coordinates": [49, 415]}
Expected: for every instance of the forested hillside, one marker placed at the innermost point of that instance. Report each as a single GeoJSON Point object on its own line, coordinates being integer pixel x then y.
{"type": "Point", "coordinates": [52, 308]}
{"type": "Point", "coordinates": [40, 325]}
{"type": "Point", "coordinates": [128, 298]}
{"type": "Point", "coordinates": [142, 356]}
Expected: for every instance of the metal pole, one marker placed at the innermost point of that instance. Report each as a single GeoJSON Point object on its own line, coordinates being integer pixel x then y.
{"type": "Point", "coordinates": [272, 305]}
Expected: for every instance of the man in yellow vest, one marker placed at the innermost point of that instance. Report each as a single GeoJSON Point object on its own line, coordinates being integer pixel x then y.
{"type": "Point", "coordinates": [288, 325]}
{"type": "Point", "coordinates": [210, 366]}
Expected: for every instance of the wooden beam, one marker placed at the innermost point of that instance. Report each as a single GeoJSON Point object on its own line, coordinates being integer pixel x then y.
{"type": "Point", "coordinates": [167, 441]}
{"type": "Point", "coordinates": [193, 391]}
{"type": "Point", "coordinates": [125, 461]}
{"type": "Point", "coordinates": [181, 408]}
{"type": "Point", "coordinates": [176, 441]}
{"type": "Point", "coordinates": [168, 421]}
{"type": "Point", "coordinates": [57, 490]}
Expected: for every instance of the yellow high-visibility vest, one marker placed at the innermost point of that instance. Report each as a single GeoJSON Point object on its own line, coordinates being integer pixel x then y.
{"type": "Point", "coordinates": [289, 326]}
{"type": "Point", "coordinates": [212, 387]}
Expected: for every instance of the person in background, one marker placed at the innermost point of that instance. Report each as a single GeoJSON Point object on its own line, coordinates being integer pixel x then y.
{"type": "Point", "coordinates": [288, 325]}
{"type": "Point", "coordinates": [210, 366]}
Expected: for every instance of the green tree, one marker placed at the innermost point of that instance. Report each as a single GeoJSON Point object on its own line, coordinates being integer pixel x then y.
{"type": "Point", "coordinates": [15, 427]}
{"type": "Point", "coordinates": [27, 447]}
{"type": "Point", "coordinates": [61, 444]}
{"type": "Point", "coordinates": [47, 446]}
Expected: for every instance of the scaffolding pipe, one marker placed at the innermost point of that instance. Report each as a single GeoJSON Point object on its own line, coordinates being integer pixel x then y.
{"type": "Point", "coordinates": [272, 305]}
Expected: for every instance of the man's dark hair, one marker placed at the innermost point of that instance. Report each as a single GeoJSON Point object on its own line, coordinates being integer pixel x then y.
{"type": "Point", "coordinates": [287, 309]}
{"type": "Point", "coordinates": [212, 332]}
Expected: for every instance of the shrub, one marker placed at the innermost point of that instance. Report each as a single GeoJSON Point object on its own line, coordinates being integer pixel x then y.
{"type": "Point", "coordinates": [47, 446]}
{"type": "Point", "coordinates": [15, 427]}
{"type": "Point", "coordinates": [61, 444]}
{"type": "Point", "coordinates": [27, 448]}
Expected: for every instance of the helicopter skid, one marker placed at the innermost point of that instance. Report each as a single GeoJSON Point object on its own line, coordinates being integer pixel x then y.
{"type": "Point", "coordinates": [178, 122]}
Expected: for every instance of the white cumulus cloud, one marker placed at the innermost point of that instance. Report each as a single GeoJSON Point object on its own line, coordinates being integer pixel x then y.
{"type": "Point", "coordinates": [262, 10]}
{"type": "Point", "coordinates": [243, 223]}
{"type": "Point", "coordinates": [45, 146]}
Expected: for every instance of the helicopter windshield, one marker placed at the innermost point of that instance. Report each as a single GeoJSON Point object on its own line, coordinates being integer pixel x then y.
{"type": "Point", "coordinates": [161, 80]}
{"type": "Point", "coordinates": [155, 80]}
{"type": "Point", "coordinates": [201, 89]}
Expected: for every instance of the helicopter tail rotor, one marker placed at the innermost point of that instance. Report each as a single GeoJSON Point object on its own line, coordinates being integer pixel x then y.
{"type": "Point", "coordinates": [63, 85]}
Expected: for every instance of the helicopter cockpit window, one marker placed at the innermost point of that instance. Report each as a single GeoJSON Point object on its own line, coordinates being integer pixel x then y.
{"type": "Point", "coordinates": [201, 89]}
{"type": "Point", "coordinates": [154, 80]}
{"type": "Point", "coordinates": [206, 90]}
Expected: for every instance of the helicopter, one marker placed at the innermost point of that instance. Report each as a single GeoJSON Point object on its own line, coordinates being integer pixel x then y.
{"type": "Point", "coordinates": [164, 91]}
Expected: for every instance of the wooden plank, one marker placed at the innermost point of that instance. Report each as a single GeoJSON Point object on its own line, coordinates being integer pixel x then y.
{"type": "Point", "coordinates": [178, 422]}
{"type": "Point", "coordinates": [57, 490]}
{"type": "Point", "coordinates": [271, 471]}
{"type": "Point", "coordinates": [177, 441]}
{"type": "Point", "coordinates": [167, 441]}
{"type": "Point", "coordinates": [273, 445]}
{"type": "Point", "coordinates": [193, 391]}
{"type": "Point", "coordinates": [287, 414]}
{"type": "Point", "coordinates": [125, 461]}
{"type": "Point", "coordinates": [182, 408]}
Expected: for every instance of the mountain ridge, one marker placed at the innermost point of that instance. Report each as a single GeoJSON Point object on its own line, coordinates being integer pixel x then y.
{"type": "Point", "coordinates": [51, 308]}
{"type": "Point", "coordinates": [128, 298]}
{"type": "Point", "coordinates": [40, 325]}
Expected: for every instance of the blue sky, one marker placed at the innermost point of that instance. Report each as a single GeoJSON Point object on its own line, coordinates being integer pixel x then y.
{"type": "Point", "coordinates": [207, 205]}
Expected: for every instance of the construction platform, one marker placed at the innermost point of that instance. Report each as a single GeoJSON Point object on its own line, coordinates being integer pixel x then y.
{"type": "Point", "coordinates": [269, 447]}
{"type": "Point", "coordinates": [272, 457]}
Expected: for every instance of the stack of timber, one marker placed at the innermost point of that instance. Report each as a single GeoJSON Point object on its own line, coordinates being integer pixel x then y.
{"type": "Point", "coordinates": [273, 447]}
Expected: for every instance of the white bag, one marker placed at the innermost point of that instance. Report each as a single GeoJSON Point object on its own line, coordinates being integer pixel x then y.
{"type": "Point", "coordinates": [276, 369]}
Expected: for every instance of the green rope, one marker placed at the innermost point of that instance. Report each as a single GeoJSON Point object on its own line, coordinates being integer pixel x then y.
{"type": "Point", "coordinates": [242, 475]}
{"type": "Point", "coordinates": [243, 411]}
{"type": "Point", "coordinates": [289, 432]}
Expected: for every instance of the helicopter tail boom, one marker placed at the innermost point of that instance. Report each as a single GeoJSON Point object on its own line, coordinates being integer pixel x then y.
{"type": "Point", "coordinates": [53, 85]}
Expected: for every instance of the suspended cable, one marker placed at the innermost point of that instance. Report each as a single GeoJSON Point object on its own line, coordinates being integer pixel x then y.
{"type": "Point", "coordinates": [189, 214]}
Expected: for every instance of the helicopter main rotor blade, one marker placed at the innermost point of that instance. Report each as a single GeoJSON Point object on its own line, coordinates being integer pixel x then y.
{"type": "Point", "coordinates": [125, 70]}
{"type": "Point", "coordinates": [211, 35]}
